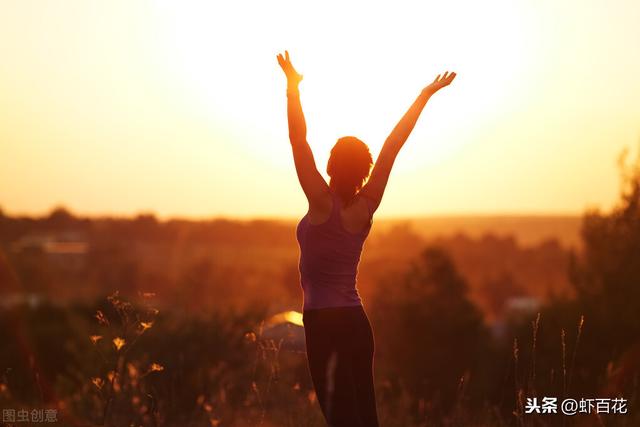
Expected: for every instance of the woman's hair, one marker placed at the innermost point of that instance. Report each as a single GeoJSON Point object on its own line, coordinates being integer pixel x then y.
{"type": "Point", "coordinates": [349, 166]}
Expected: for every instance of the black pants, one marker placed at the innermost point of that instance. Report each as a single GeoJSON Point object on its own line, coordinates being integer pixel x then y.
{"type": "Point", "coordinates": [340, 353]}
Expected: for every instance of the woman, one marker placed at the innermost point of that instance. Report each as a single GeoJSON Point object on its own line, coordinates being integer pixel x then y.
{"type": "Point", "coordinates": [331, 235]}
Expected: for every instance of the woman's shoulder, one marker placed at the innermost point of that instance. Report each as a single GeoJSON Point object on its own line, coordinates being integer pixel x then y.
{"type": "Point", "coordinates": [356, 217]}
{"type": "Point", "coordinates": [368, 205]}
{"type": "Point", "coordinates": [321, 210]}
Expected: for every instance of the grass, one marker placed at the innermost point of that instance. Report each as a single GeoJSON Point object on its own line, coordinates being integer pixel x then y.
{"type": "Point", "coordinates": [140, 368]}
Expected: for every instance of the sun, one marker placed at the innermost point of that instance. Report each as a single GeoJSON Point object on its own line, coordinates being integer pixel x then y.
{"type": "Point", "coordinates": [363, 65]}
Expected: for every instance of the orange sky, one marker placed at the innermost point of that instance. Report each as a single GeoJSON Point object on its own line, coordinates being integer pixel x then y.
{"type": "Point", "coordinates": [179, 107]}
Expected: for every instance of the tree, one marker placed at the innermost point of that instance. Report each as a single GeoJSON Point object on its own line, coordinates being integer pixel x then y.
{"type": "Point", "coordinates": [429, 332]}
{"type": "Point", "coordinates": [607, 275]}
{"type": "Point", "coordinates": [60, 217]}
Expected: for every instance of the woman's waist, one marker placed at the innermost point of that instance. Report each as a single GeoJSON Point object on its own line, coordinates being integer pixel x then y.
{"type": "Point", "coordinates": [336, 318]}
{"type": "Point", "coordinates": [319, 294]}
{"type": "Point", "coordinates": [343, 309]}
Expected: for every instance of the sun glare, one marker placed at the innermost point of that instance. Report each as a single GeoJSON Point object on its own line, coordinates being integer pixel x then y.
{"type": "Point", "coordinates": [363, 65]}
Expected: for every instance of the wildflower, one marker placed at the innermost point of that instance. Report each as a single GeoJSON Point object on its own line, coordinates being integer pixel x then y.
{"type": "Point", "coordinates": [101, 318]}
{"type": "Point", "coordinates": [250, 337]}
{"type": "Point", "coordinates": [95, 338]}
{"type": "Point", "coordinates": [156, 367]}
{"type": "Point", "coordinates": [146, 325]}
{"type": "Point", "coordinates": [98, 382]}
{"type": "Point", "coordinates": [119, 343]}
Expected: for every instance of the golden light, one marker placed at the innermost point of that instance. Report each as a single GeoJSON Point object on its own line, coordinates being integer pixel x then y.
{"type": "Point", "coordinates": [363, 64]}
{"type": "Point", "coordinates": [293, 317]}
{"type": "Point", "coordinates": [179, 107]}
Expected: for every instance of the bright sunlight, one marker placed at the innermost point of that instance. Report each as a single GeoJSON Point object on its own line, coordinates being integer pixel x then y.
{"type": "Point", "coordinates": [359, 76]}
{"type": "Point", "coordinates": [179, 107]}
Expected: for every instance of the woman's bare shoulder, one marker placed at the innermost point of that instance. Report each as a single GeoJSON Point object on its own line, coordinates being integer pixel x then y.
{"type": "Point", "coordinates": [356, 216]}
{"type": "Point", "coordinates": [320, 211]}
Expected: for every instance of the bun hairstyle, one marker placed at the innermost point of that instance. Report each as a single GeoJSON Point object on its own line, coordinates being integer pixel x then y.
{"type": "Point", "coordinates": [349, 166]}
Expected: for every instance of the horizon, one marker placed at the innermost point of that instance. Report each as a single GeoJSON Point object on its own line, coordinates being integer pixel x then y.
{"type": "Point", "coordinates": [292, 217]}
{"type": "Point", "coordinates": [527, 230]}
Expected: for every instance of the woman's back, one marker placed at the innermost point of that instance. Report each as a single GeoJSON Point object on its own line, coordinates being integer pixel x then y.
{"type": "Point", "coordinates": [329, 258]}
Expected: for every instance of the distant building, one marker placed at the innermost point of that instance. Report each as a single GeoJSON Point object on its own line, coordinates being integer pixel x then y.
{"type": "Point", "coordinates": [521, 306]}
{"type": "Point", "coordinates": [65, 249]}
{"type": "Point", "coordinates": [515, 310]}
{"type": "Point", "coordinates": [14, 299]}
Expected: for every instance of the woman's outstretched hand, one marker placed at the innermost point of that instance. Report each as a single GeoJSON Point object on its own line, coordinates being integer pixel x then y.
{"type": "Point", "coordinates": [441, 81]}
{"type": "Point", "coordinates": [293, 77]}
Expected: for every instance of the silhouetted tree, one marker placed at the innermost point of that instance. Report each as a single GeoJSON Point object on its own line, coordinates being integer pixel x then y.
{"type": "Point", "coordinates": [607, 274]}
{"type": "Point", "coordinates": [429, 332]}
{"type": "Point", "coordinates": [60, 217]}
{"type": "Point", "coordinates": [497, 291]}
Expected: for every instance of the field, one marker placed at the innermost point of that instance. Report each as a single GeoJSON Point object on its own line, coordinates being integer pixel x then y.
{"type": "Point", "coordinates": [136, 321]}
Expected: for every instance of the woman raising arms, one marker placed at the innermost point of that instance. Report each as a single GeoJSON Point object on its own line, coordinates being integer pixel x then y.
{"type": "Point", "coordinates": [331, 235]}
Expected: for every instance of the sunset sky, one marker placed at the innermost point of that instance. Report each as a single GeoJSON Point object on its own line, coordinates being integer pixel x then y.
{"type": "Point", "coordinates": [178, 108]}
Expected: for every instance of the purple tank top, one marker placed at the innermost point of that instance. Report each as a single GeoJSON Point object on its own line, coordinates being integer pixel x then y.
{"type": "Point", "coordinates": [329, 257]}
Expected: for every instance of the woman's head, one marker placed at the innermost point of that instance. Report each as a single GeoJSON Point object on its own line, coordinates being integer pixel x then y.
{"type": "Point", "coordinates": [349, 166]}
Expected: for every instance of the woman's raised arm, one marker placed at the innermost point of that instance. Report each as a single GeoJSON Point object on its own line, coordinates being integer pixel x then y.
{"type": "Point", "coordinates": [312, 183]}
{"type": "Point", "coordinates": [374, 189]}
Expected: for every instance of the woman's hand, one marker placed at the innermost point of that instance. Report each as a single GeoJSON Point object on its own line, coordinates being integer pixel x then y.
{"type": "Point", "coordinates": [293, 77]}
{"type": "Point", "coordinates": [439, 82]}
